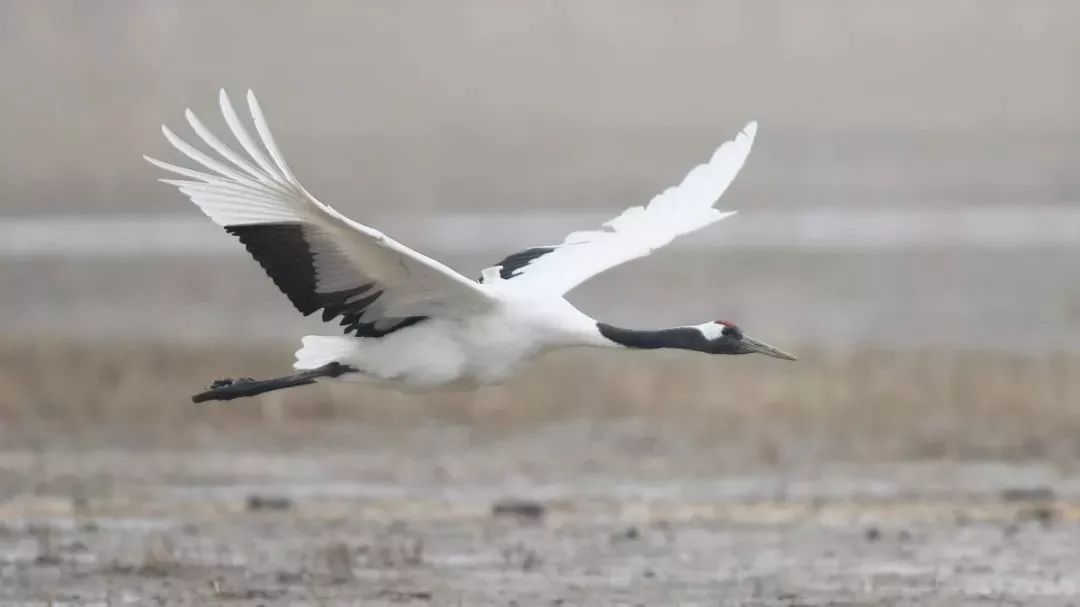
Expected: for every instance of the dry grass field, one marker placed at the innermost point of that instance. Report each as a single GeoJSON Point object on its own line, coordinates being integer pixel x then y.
{"type": "Point", "coordinates": [866, 404]}
{"type": "Point", "coordinates": [878, 477]}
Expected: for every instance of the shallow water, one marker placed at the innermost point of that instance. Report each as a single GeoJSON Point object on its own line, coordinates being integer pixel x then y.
{"type": "Point", "coordinates": [999, 278]}
{"type": "Point", "coordinates": [1020, 300]}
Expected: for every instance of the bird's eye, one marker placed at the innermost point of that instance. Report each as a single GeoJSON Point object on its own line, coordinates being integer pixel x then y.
{"type": "Point", "coordinates": [729, 331]}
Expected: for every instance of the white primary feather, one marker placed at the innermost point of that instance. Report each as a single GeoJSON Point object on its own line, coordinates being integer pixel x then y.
{"type": "Point", "coordinates": [638, 230]}
{"type": "Point", "coordinates": [238, 191]}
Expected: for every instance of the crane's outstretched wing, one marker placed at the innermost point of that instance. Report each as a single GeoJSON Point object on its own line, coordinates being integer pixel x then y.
{"type": "Point", "coordinates": [636, 232]}
{"type": "Point", "coordinates": [318, 257]}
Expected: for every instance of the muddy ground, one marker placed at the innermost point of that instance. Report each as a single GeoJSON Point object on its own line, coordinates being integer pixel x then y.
{"type": "Point", "coordinates": [617, 514]}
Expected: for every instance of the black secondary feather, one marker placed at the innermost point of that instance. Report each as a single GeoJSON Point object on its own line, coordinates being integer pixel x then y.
{"type": "Point", "coordinates": [283, 251]}
{"type": "Point", "coordinates": [512, 265]}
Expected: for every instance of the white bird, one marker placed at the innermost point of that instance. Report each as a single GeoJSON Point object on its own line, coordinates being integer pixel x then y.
{"type": "Point", "coordinates": [411, 322]}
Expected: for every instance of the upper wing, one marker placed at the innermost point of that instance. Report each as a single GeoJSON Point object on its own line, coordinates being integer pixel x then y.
{"type": "Point", "coordinates": [637, 231]}
{"type": "Point", "coordinates": [318, 257]}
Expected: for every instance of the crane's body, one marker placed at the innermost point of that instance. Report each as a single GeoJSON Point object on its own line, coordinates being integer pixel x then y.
{"type": "Point", "coordinates": [458, 353]}
{"type": "Point", "coordinates": [410, 322]}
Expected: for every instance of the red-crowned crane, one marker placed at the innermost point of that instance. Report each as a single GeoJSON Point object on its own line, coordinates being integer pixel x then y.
{"type": "Point", "coordinates": [410, 321]}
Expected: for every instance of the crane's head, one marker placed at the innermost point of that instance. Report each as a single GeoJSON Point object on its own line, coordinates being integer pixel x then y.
{"type": "Point", "coordinates": [725, 337]}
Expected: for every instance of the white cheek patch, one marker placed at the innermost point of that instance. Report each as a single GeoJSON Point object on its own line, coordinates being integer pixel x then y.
{"type": "Point", "coordinates": [711, 330]}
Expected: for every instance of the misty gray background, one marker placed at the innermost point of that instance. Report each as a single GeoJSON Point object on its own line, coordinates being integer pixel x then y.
{"type": "Point", "coordinates": [399, 110]}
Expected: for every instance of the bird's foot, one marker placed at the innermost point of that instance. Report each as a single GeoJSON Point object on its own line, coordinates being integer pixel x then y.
{"type": "Point", "coordinates": [228, 381]}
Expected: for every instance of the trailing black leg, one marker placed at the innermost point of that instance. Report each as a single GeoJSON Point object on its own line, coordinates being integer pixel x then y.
{"type": "Point", "coordinates": [228, 389]}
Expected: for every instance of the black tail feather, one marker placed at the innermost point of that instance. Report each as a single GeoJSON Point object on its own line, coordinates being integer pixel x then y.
{"type": "Point", "coordinates": [228, 389]}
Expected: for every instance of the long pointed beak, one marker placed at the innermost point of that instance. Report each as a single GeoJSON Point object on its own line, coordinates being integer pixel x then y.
{"type": "Point", "coordinates": [752, 345]}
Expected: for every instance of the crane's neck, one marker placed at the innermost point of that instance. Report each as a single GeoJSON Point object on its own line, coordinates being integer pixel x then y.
{"type": "Point", "coordinates": [682, 338]}
{"type": "Point", "coordinates": [574, 328]}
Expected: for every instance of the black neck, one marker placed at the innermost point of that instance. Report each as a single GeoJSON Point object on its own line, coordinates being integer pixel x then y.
{"type": "Point", "coordinates": [683, 338]}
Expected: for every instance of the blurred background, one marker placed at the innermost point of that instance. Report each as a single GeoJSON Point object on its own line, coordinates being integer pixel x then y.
{"type": "Point", "coordinates": [908, 225]}
{"type": "Point", "coordinates": [914, 182]}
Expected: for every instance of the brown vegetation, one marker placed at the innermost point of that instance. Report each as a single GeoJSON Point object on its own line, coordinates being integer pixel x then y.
{"type": "Point", "coordinates": [867, 403]}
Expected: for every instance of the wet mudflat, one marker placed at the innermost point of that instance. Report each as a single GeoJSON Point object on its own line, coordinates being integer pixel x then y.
{"type": "Point", "coordinates": [440, 515]}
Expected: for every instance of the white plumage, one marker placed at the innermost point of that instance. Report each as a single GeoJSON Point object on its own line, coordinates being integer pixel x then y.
{"type": "Point", "coordinates": [640, 230]}
{"type": "Point", "coordinates": [411, 321]}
